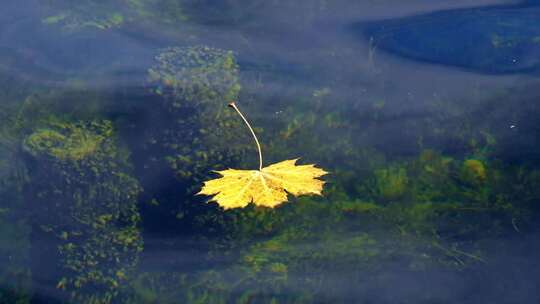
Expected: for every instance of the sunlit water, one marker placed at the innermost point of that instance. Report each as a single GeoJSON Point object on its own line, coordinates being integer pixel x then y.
{"type": "Point", "coordinates": [424, 112]}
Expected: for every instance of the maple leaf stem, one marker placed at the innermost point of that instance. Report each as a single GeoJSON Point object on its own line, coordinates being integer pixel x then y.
{"type": "Point", "coordinates": [233, 105]}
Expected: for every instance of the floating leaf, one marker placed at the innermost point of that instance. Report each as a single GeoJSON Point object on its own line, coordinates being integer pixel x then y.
{"type": "Point", "coordinates": [266, 187]}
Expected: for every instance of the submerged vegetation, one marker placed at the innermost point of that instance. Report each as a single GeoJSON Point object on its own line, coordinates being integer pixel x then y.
{"type": "Point", "coordinates": [74, 182]}
{"type": "Point", "coordinates": [86, 205]}
{"type": "Point", "coordinates": [103, 15]}
{"type": "Point", "coordinates": [98, 186]}
{"type": "Point", "coordinates": [74, 219]}
{"type": "Point", "coordinates": [190, 86]}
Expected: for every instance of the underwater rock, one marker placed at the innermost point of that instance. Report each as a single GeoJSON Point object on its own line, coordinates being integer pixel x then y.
{"type": "Point", "coordinates": [189, 132]}
{"type": "Point", "coordinates": [498, 39]}
{"type": "Point", "coordinates": [196, 130]}
{"type": "Point", "coordinates": [197, 74]}
{"type": "Point", "coordinates": [84, 208]}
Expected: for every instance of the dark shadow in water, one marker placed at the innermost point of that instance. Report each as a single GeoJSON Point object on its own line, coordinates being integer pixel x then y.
{"type": "Point", "coordinates": [494, 40]}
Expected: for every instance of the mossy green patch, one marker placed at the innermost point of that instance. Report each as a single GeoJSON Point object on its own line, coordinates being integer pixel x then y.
{"type": "Point", "coordinates": [473, 171]}
{"type": "Point", "coordinates": [66, 142]}
{"type": "Point", "coordinates": [86, 203]}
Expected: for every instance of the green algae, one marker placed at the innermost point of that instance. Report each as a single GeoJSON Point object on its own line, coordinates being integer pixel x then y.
{"type": "Point", "coordinates": [99, 15]}
{"type": "Point", "coordinates": [67, 142]}
{"type": "Point", "coordinates": [198, 132]}
{"type": "Point", "coordinates": [83, 181]}
{"type": "Point", "coordinates": [473, 171]}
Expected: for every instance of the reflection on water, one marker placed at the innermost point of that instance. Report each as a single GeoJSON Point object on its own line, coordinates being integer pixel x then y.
{"type": "Point", "coordinates": [113, 113]}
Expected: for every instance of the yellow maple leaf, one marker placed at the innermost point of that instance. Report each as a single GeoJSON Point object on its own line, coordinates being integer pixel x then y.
{"type": "Point", "coordinates": [267, 186]}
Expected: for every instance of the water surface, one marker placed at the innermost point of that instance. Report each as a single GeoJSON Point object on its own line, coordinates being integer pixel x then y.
{"type": "Point", "coordinates": [114, 113]}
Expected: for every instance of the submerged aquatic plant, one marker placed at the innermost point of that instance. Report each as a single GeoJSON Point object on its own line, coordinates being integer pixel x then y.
{"type": "Point", "coordinates": [194, 136]}
{"type": "Point", "coordinates": [192, 133]}
{"type": "Point", "coordinates": [391, 183]}
{"type": "Point", "coordinates": [84, 203]}
{"type": "Point", "coordinates": [266, 186]}
{"type": "Point", "coordinates": [473, 171]}
{"type": "Point", "coordinates": [104, 15]}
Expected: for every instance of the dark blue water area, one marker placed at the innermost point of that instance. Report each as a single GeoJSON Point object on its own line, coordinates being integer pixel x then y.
{"type": "Point", "coordinates": [393, 98]}
{"type": "Point", "coordinates": [499, 39]}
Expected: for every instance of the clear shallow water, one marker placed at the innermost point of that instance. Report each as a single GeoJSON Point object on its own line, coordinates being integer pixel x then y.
{"type": "Point", "coordinates": [113, 115]}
